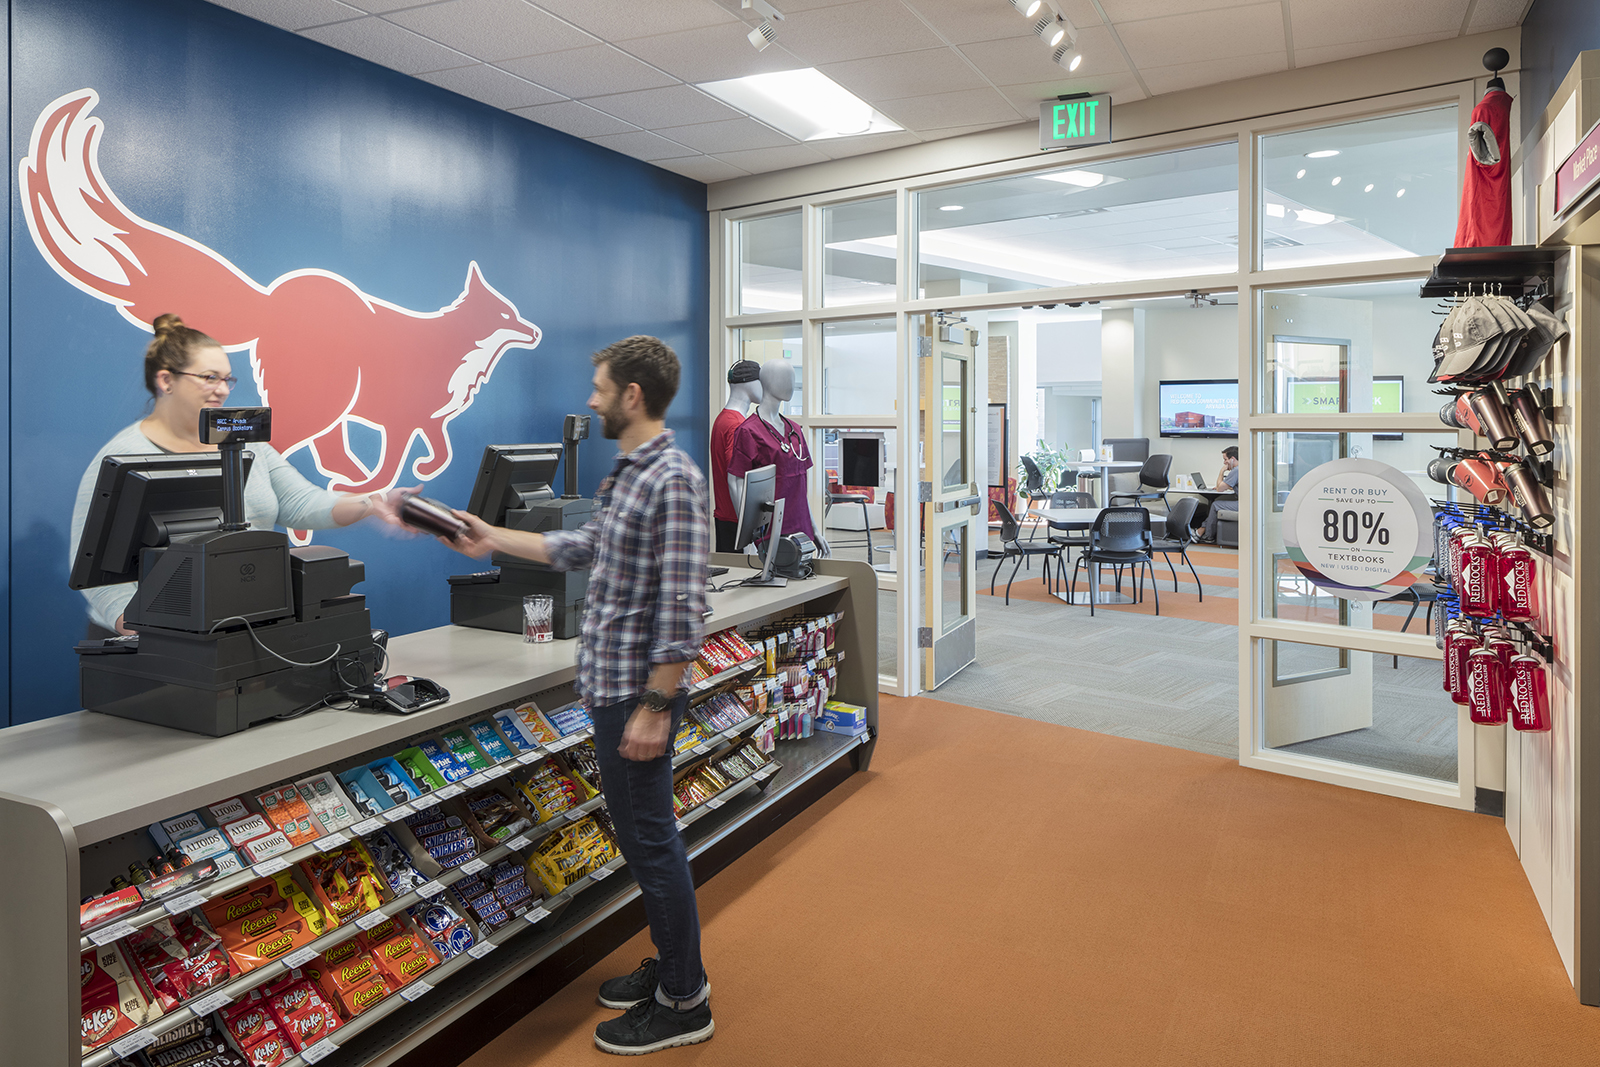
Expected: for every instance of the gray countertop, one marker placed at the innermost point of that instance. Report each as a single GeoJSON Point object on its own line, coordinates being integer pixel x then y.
{"type": "Point", "coordinates": [110, 775]}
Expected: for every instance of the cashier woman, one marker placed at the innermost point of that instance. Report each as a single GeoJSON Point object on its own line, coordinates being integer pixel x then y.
{"type": "Point", "coordinates": [184, 370]}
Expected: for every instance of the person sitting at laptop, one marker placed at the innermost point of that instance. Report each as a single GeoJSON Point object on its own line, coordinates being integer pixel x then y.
{"type": "Point", "coordinates": [1227, 478]}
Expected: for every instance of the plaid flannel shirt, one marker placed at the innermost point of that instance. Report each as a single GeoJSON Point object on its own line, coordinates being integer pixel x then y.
{"type": "Point", "coordinates": [647, 549]}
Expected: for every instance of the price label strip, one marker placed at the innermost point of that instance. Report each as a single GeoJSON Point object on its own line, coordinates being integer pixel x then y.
{"type": "Point", "coordinates": [184, 903]}
{"type": "Point", "coordinates": [518, 843]}
{"type": "Point", "coordinates": [481, 949]}
{"type": "Point", "coordinates": [448, 791]}
{"type": "Point", "coordinates": [430, 889]}
{"type": "Point", "coordinates": [370, 919]}
{"type": "Point", "coordinates": [600, 874]}
{"type": "Point", "coordinates": [267, 868]}
{"type": "Point", "coordinates": [370, 826]}
{"type": "Point", "coordinates": [206, 1005]}
{"type": "Point", "coordinates": [536, 915]}
{"type": "Point", "coordinates": [416, 989]}
{"type": "Point", "coordinates": [133, 1043]}
{"type": "Point", "coordinates": [496, 772]}
{"type": "Point", "coordinates": [526, 758]}
{"type": "Point", "coordinates": [320, 1051]}
{"type": "Point", "coordinates": [330, 842]}
{"type": "Point", "coordinates": [473, 866]}
{"type": "Point", "coordinates": [398, 812]}
{"type": "Point", "coordinates": [299, 959]}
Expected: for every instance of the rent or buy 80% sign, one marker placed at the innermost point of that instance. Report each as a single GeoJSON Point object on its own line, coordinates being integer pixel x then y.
{"type": "Point", "coordinates": [1358, 528]}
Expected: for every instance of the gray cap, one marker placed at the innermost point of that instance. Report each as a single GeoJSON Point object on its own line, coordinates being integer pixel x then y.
{"type": "Point", "coordinates": [1473, 328]}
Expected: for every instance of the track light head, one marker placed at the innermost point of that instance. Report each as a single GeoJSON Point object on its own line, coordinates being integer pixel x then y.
{"type": "Point", "coordinates": [1067, 56]}
{"type": "Point", "coordinates": [1051, 29]}
{"type": "Point", "coordinates": [767, 12]}
{"type": "Point", "coordinates": [762, 35]}
{"type": "Point", "coordinates": [1028, 8]}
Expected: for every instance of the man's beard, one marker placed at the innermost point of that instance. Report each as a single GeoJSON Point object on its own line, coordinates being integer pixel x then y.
{"type": "Point", "coordinates": [613, 422]}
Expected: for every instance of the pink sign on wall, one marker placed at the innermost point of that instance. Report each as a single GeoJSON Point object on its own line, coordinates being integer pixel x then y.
{"type": "Point", "coordinates": [1579, 171]}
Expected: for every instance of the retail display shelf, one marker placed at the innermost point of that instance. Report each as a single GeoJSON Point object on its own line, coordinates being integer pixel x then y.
{"type": "Point", "coordinates": [404, 1026]}
{"type": "Point", "coordinates": [709, 745]}
{"type": "Point", "coordinates": [1513, 267]}
{"type": "Point", "coordinates": [707, 684]}
{"type": "Point", "coordinates": [109, 776]}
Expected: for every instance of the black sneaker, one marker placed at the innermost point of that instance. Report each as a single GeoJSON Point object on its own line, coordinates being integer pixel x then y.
{"type": "Point", "coordinates": [651, 1026]}
{"type": "Point", "coordinates": [623, 993]}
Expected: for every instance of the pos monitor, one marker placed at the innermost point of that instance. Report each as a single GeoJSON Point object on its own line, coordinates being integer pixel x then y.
{"type": "Point", "coordinates": [760, 513]}
{"type": "Point", "coordinates": [511, 478]}
{"type": "Point", "coordinates": [143, 502]}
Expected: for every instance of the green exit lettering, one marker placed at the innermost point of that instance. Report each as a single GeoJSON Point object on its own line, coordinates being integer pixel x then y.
{"type": "Point", "coordinates": [1074, 119]}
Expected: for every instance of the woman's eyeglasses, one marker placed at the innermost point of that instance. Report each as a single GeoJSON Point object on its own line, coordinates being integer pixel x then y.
{"type": "Point", "coordinates": [212, 380]}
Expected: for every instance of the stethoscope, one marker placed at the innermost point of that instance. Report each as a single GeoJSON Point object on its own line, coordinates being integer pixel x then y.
{"type": "Point", "coordinates": [790, 433]}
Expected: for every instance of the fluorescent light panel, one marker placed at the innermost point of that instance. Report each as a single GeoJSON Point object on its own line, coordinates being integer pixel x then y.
{"type": "Point", "coordinates": [1083, 179]}
{"type": "Point", "coordinates": [805, 104]}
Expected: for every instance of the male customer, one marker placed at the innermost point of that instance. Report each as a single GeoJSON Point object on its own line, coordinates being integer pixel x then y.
{"type": "Point", "coordinates": [1227, 478]}
{"type": "Point", "coordinates": [646, 549]}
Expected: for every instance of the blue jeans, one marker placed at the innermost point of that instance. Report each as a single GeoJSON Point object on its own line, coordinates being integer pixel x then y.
{"type": "Point", "coordinates": [639, 797]}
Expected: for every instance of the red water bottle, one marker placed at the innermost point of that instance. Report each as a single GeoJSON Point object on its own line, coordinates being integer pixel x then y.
{"type": "Point", "coordinates": [1499, 642]}
{"type": "Point", "coordinates": [1480, 578]}
{"type": "Point", "coordinates": [1519, 572]}
{"type": "Point", "coordinates": [1458, 649]}
{"type": "Point", "coordinates": [1530, 694]}
{"type": "Point", "coordinates": [1485, 701]}
{"type": "Point", "coordinates": [1458, 537]}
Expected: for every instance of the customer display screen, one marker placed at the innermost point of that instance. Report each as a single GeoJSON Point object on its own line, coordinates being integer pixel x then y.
{"type": "Point", "coordinates": [1317, 396]}
{"type": "Point", "coordinates": [1204, 408]}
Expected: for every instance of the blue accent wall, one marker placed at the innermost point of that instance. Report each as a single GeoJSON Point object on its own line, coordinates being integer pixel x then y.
{"type": "Point", "coordinates": [281, 154]}
{"type": "Point", "coordinates": [1553, 33]}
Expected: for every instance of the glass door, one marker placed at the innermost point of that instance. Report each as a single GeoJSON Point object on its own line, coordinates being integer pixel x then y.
{"type": "Point", "coordinates": [954, 522]}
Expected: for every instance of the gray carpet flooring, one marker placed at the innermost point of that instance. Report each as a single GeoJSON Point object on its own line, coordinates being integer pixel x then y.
{"type": "Point", "coordinates": [1170, 681]}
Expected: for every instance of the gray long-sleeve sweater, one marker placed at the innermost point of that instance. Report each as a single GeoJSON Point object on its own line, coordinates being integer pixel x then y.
{"type": "Point", "coordinates": [274, 494]}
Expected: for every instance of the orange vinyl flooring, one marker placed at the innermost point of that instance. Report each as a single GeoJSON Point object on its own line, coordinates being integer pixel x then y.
{"type": "Point", "coordinates": [998, 890]}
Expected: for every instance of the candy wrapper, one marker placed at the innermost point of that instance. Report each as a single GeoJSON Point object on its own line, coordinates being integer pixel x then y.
{"type": "Point", "coordinates": [113, 1001]}
{"type": "Point", "coordinates": [285, 809]}
{"type": "Point", "coordinates": [328, 802]}
{"type": "Point", "coordinates": [196, 1043]}
{"type": "Point", "coordinates": [344, 881]}
{"type": "Point", "coordinates": [395, 864]}
{"type": "Point", "coordinates": [449, 931]}
{"type": "Point", "coordinates": [496, 815]}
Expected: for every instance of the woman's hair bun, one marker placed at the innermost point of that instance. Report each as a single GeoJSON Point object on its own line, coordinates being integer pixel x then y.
{"type": "Point", "coordinates": [167, 323]}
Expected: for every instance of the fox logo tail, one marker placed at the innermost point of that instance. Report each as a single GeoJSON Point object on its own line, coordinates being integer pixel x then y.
{"type": "Point", "coordinates": [93, 241]}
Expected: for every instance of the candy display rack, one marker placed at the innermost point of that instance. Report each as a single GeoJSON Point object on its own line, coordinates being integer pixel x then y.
{"type": "Point", "coordinates": [78, 791]}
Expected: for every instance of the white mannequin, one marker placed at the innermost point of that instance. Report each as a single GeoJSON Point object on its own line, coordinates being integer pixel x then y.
{"type": "Point", "coordinates": [777, 389]}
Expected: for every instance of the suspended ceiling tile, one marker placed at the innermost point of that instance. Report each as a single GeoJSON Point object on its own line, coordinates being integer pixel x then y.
{"type": "Point", "coordinates": [292, 14]}
{"type": "Point", "coordinates": [614, 22]}
{"type": "Point", "coordinates": [732, 135]}
{"type": "Point", "coordinates": [959, 131]}
{"type": "Point", "coordinates": [580, 120]}
{"type": "Point", "coordinates": [703, 169]}
{"type": "Point", "coordinates": [1496, 15]}
{"type": "Point", "coordinates": [492, 30]}
{"type": "Point", "coordinates": [643, 145]}
{"type": "Point", "coordinates": [1212, 71]}
{"type": "Point", "coordinates": [492, 86]}
{"type": "Point", "coordinates": [942, 110]}
{"type": "Point", "coordinates": [589, 71]}
{"type": "Point", "coordinates": [1234, 31]}
{"type": "Point", "coordinates": [905, 74]}
{"type": "Point", "coordinates": [1316, 23]}
{"type": "Point", "coordinates": [389, 45]}
{"type": "Point", "coordinates": [712, 53]}
{"type": "Point", "coordinates": [962, 21]}
{"type": "Point", "coordinates": [853, 31]}
{"type": "Point", "coordinates": [1306, 57]}
{"type": "Point", "coordinates": [674, 105]}
{"type": "Point", "coordinates": [1122, 87]}
{"type": "Point", "coordinates": [843, 147]}
{"type": "Point", "coordinates": [1027, 59]}
{"type": "Point", "coordinates": [377, 7]}
{"type": "Point", "coordinates": [761, 160]}
{"type": "Point", "coordinates": [1119, 11]}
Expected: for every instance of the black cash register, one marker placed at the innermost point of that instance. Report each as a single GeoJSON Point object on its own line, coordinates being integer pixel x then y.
{"type": "Point", "coordinates": [234, 626]}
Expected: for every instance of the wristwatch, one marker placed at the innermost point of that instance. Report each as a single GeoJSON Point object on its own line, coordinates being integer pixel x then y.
{"type": "Point", "coordinates": [655, 700]}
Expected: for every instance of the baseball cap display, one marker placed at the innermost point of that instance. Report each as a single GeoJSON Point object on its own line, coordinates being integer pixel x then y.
{"type": "Point", "coordinates": [1485, 338]}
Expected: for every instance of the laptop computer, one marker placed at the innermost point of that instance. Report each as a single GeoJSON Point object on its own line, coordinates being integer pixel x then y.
{"type": "Point", "coordinates": [1199, 480]}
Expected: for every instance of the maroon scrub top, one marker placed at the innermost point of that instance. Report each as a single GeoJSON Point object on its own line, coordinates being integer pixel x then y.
{"type": "Point", "coordinates": [756, 444]}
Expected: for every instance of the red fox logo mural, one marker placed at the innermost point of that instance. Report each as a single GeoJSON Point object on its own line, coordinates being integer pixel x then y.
{"type": "Point", "coordinates": [323, 353]}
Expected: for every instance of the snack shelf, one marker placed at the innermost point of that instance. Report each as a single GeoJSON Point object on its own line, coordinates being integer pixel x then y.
{"type": "Point", "coordinates": [728, 674]}
{"type": "Point", "coordinates": [212, 999]}
{"type": "Point", "coordinates": [410, 1024]}
{"type": "Point", "coordinates": [709, 745]}
{"type": "Point", "coordinates": [123, 925]}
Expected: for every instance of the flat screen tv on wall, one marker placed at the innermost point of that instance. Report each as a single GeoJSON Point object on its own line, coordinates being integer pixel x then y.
{"type": "Point", "coordinates": [1201, 407]}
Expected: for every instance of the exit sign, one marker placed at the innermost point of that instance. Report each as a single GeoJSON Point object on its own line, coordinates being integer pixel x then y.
{"type": "Point", "coordinates": [1084, 120]}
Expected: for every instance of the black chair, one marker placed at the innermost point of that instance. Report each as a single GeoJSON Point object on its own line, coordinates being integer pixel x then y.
{"type": "Point", "coordinates": [1123, 450]}
{"type": "Point", "coordinates": [1033, 487]}
{"type": "Point", "coordinates": [1013, 545]}
{"type": "Point", "coordinates": [1153, 482]}
{"type": "Point", "coordinates": [1179, 535]}
{"type": "Point", "coordinates": [1068, 498]}
{"type": "Point", "coordinates": [866, 520]}
{"type": "Point", "coordinates": [1120, 537]}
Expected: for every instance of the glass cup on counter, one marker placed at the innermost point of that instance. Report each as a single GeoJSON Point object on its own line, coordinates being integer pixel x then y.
{"type": "Point", "coordinates": [538, 615]}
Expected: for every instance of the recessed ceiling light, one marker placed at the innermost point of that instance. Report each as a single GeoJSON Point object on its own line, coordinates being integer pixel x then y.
{"type": "Point", "coordinates": [1029, 8]}
{"type": "Point", "coordinates": [952, 207]}
{"type": "Point", "coordinates": [805, 104]}
{"type": "Point", "coordinates": [1337, 180]}
{"type": "Point", "coordinates": [1324, 153]}
{"type": "Point", "coordinates": [1368, 189]}
{"type": "Point", "coordinates": [1083, 179]}
{"type": "Point", "coordinates": [1301, 173]}
{"type": "Point", "coordinates": [1401, 193]}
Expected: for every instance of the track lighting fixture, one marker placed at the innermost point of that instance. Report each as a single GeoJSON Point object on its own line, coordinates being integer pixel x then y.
{"type": "Point", "coordinates": [762, 35]}
{"type": "Point", "coordinates": [765, 33]}
{"type": "Point", "coordinates": [1029, 8]}
{"type": "Point", "coordinates": [1051, 29]}
{"type": "Point", "coordinates": [1068, 57]}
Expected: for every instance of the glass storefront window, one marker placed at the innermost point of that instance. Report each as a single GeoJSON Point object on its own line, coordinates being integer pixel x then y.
{"type": "Point", "coordinates": [769, 263]}
{"type": "Point", "coordinates": [765, 343]}
{"type": "Point", "coordinates": [1162, 215]}
{"type": "Point", "coordinates": [860, 253]}
{"type": "Point", "coordinates": [858, 367]}
{"type": "Point", "coordinates": [1363, 708]}
{"type": "Point", "coordinates": [1377, 189]}
{"type": "Point", "coordinates": [1284, 459]}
